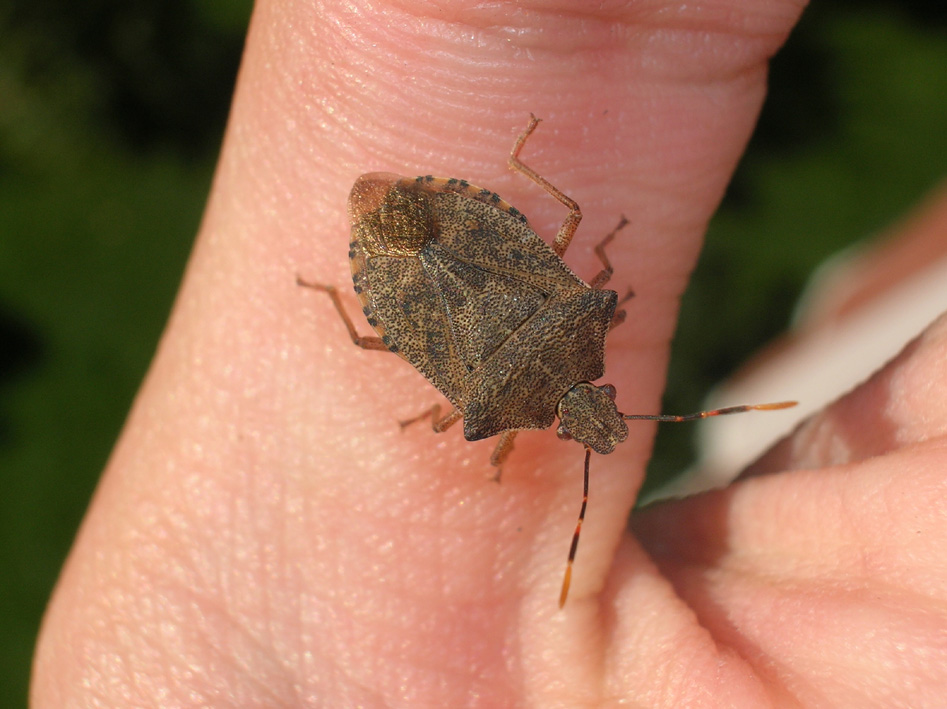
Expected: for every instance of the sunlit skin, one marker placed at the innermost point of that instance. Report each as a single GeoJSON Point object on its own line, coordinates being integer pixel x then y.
{"type": "Point", "coordinates": [663, 418]}
{"type": "Point", "coordinates": [265, 534]}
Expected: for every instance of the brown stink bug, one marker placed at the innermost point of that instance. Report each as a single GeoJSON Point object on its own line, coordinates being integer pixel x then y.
{"type": "Point", "coordinates": [455, 281]}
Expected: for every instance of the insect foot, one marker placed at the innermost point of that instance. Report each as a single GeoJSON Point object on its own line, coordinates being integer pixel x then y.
{"type": "Point", "coordinates": [455, 281]}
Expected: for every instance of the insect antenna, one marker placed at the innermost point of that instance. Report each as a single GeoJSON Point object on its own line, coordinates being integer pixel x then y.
{"type": "Point", "coordinates": [713, 412]}
{"type": "Point", "coordinates": [567, 579]}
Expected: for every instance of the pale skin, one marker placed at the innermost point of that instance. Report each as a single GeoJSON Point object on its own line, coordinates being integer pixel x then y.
{"type": "Point", "coordinates": [265, 535]}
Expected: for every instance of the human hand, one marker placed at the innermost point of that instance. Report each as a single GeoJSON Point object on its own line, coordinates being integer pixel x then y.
{"type": "Point", "coordinates": [264, 534]}
{"type": "Point", "coordinates": [823, 562]}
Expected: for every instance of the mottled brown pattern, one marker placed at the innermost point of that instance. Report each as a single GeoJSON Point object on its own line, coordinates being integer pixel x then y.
{"type": "Point", "coordinates": [464, 290]}
{"type": "Point", "coordinates": [454, 280]}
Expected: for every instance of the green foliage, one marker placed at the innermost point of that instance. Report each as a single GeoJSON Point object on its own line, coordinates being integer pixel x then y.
{"type": "Point", "coordinates": [108, 135]}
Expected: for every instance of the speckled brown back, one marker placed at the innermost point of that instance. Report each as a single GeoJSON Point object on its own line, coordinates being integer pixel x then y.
{"type": "Point", "coordinates": [456, 282]}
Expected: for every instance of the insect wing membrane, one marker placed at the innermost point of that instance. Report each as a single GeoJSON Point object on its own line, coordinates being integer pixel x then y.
{"type": "Point", "coordinates": [484, 307]}
{"type": "Point", "coordinates": [499, 240]}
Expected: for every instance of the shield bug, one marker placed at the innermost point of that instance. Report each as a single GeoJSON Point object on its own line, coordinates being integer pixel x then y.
{"type": "Point", "coordinates": [455, 281]}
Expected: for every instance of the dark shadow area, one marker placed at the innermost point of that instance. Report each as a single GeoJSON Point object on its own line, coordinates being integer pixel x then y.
{"type": "Point", "coordinates": [21, 354]}
{"type": "Point", "coordinates": [163, 74]}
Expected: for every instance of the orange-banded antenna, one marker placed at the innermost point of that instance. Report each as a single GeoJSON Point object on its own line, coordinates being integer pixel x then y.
{"type": "Point", "coordinates": [670, 418]}
{"type": "Point", "coordinates": [567, 579]}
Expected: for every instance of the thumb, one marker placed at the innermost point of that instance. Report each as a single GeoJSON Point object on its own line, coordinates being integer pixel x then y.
{"type": "Point", "coordinates": [263, 526]}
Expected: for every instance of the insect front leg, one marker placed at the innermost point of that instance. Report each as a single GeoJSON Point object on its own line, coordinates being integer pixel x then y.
{"type": "Point", "coordinates": [605, 274]}
{"type": "Point", "coordinates": [500, 453]}
{"type": "Point", "coordinates": [438, 424]}
{"type": "Point", "coordinates": [617, 319]}
{"type": "Point", "coordinates": [366, 343]}
{"type": "Point", "coordinates": [571, 223]}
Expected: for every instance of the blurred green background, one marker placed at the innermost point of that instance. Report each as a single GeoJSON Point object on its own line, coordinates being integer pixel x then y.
{"type": "Point", "coordinates": [111, 114]}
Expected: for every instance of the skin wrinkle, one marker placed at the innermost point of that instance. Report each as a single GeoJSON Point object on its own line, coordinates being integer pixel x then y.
{"type": "Point", "coordinates": [725, 634]}
{"type": "Point", "coordinates": [790, 572]}
{"type": "Point", "coordinates": [636, 18]}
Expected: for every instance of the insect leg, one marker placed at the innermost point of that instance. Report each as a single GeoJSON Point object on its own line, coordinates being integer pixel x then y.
{"type": "Point", "coordinates": [500, 453]}
{"type": "Point", "coordinates": [366, 343]}
{"type": "Point", "coordinates": [571, 223]}
{"type": "Point", "coordinates": [619, 317]}
{"type": "Point", "coordinates": [438, 424]}
{"type": "Point", "coordinates": [605, 274]}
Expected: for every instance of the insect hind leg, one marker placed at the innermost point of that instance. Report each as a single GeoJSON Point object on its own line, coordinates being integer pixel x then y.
{"type": "Point", "coordinates": [366, 343]}
{"type": "Point", "coordinates": [571, 223]}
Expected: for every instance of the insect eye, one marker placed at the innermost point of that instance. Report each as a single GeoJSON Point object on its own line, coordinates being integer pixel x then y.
{"type": "Point", "coordinates": [609, 391]}
{"type": "Point", "coordinates": [563, 434]}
